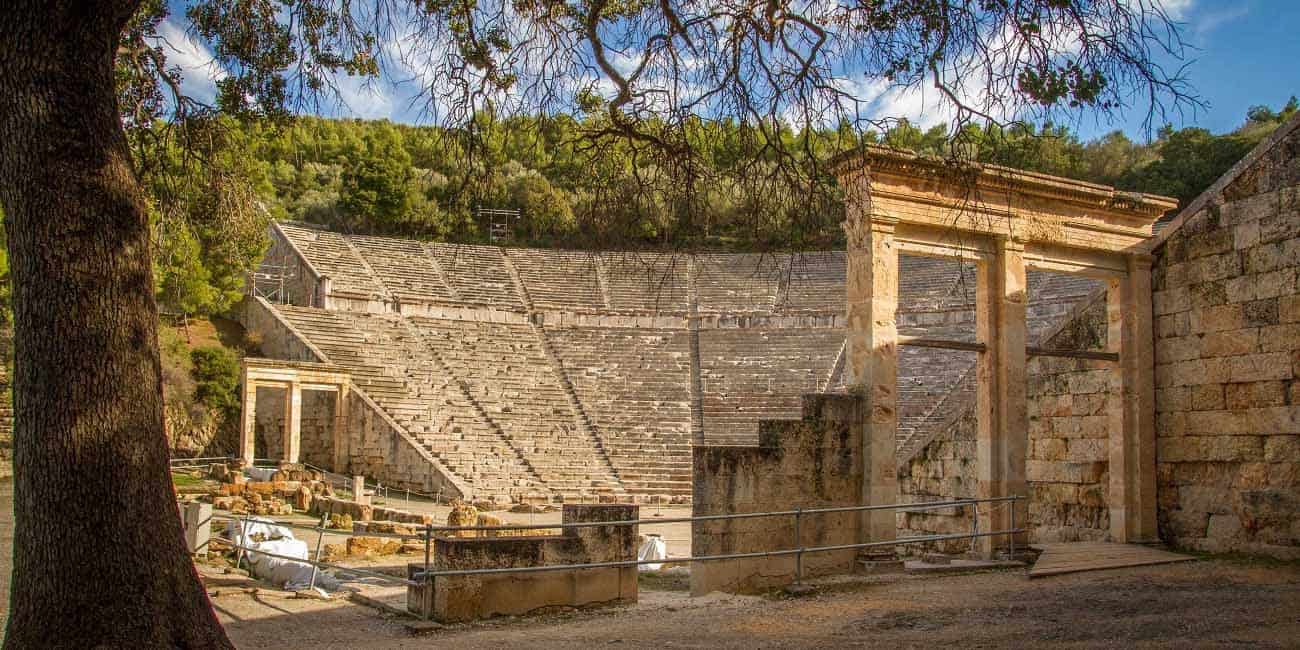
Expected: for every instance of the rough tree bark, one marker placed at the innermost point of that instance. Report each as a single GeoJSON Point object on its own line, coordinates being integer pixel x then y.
{"type": "Point", "coordinates": [99, 558]}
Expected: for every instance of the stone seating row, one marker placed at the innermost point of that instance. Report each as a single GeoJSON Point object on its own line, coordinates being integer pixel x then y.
{"type": "Point", "coordinates": [389, 366]}
{"type": "Point", "coordinates": [635, 386]}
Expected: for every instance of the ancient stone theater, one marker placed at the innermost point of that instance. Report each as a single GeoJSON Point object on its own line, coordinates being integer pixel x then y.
{"type": "Point", "coordinates": [1015, 334]}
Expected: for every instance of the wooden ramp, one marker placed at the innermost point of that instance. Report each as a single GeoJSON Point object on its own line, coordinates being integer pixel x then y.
{"type": "Point", "coordinates": [1094, 556]}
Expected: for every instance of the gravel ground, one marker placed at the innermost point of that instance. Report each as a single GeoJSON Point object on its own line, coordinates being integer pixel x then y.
{"type": "Point", "coordinates": [1198, 604]}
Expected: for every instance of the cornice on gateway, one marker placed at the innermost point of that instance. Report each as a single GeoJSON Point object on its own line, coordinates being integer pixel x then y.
{"type": "Point", "coordinates": [908, 164]}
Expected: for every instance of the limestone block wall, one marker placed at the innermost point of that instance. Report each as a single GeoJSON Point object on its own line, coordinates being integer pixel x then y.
{"type": "Point", "coordinates": [317, 433]}
{"type": "Point", "coordinates": [472, 597]}
{"type": "Point", "coordinates": [943, 471]}
{"type": "Point", "coordinates": [1068, 449]}
{"type": "Point", "coordinates": [1066, 464]}
{"type": "Point", "coordinates": [379, 449]}
{"type": "Point", "coordinates": [1227, 352]}
{"type": "Point", "coordinates": [815, 462]}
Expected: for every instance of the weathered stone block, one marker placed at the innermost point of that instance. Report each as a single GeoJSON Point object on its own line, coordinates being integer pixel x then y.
{"type": "Point", "coordinates": [1227, 344]}
{"type": "Point", "coordinates": [1254, 395]}
{"type": "Point", "coordinates": [1206, 397]}
{"type": "Point", "coordinates": [1049, 449]}
{"type": "Point", "coordinates": [1282, 449]}
{"type": "Point", "coordinates": [1217, 319]}
{"type": "Point", "coordinates": [1259, 367]}
{"type": "Point", "coordinates": [1280, 338]}
{"type": "Point", "coordinates": [1088, 450]}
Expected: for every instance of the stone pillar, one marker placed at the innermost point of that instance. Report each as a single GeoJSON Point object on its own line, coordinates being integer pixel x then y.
{"type": "Point", "coordinates": [872, 356]}
{"type": "Point", "coordinates": [359, 490]}
{"type": "Point", "coordinates": [341, 439]}
{"type": "Point", "coordinates": [248, 420]}
{"type": "Point", "coordinates": [324, 287]}
{"type": "Point", "coordinates": [1002, 412]}
{"type": "Point", "coordinates": [1131, 406]}
{"type": "Point", "coordinates": [292, 422]}
{"type": "Point", "coordinates": [198, 527]}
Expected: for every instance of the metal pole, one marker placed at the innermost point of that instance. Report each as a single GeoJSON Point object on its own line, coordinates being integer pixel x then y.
{"type": "Point", "coordinates": [243, 541]}
{"type": "Point", "coordinates": [1011, 537]}
{"type": "Point", "coordinates": [428, 546]}
{"type": "Point", "coordinates": [428, 579]}
{"type": "Point", "coordinates": [974, 525]}
{"type": "Point", "coordinates": [320, 539]}
{"type": "Point", "coordinates": [798, 544]}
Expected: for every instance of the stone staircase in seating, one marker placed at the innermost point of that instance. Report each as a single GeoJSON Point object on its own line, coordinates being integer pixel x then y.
{"type": "Point", "coordinates": [507, 372]}
{"type": "Point", "coordinates": [635, 384]}
{"type": "Point", "coordinates": [754, 374]}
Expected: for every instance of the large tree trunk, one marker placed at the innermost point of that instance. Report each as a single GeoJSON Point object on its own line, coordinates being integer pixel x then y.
{"type": "Point", "coordinates": [98, 554]}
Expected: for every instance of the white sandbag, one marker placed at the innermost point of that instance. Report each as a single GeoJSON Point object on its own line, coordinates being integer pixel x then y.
{"type": "Point", "coordinates": [654, 548]}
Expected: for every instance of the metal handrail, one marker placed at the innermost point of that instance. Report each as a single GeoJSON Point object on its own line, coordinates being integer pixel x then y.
{"type": "Point", "coordinates": [711, 558]}
{"type": "Point", "coordinates": [424, 577]}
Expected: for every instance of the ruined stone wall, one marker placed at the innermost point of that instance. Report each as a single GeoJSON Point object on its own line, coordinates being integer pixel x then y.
{"type": "Point", "coordinates": [379, 450]}
{"type": "Point", "coordinates": [1227, 352]}
{"type": "Point", "coordinates": [471, 597]}
{"type": "Point", "coordinates": [815, 462]}
{"type": "Point", "coordinates": [944, 470]}
{"type": "Point", "coordinates": [317, 428]}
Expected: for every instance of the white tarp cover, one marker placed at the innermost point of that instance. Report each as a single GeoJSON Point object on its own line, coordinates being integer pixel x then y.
{"type": "Point", "coordinates": [260, 473]}
{"type": "Point", "coordinates": [654, 548]}
{"type": "Point", "coordinates": [280, 541]}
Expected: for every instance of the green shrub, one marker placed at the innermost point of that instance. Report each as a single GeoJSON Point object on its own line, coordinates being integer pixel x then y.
{"type": "Point", "coordinates": [216, 378]}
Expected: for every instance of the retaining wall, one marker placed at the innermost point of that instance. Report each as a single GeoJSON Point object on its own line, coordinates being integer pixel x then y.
{"type": "Point", "coordinates": [815, 462]}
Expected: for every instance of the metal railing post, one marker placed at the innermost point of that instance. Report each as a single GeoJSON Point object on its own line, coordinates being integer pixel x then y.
{"type": "Point", "coordinates": [428, 579]}
{"type": "Point", "coordinates": [974, 526]}
{"type": "Point", "coordinates": [320, 540]}
{"type": "Point", "coordinates": [798, 544]}
{"type": "Point", "coordinates": [1011, 536]}
{"type": "Point", "coordinates": [243, 541]}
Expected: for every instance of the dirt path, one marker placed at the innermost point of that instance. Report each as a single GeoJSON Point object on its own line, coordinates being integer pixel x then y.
{"type": "Point", "coordinates": [1197, 604]}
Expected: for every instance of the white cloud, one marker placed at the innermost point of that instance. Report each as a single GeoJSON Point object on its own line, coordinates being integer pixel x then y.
{"type": "Point", "coordinates": [364, 97]}
{"type": "Point", "coordinates": [200, 71]}
{"type": "Point", "coordinates": [1176, 9]}
{"type": "Point", "coordinates": [1211, 20]}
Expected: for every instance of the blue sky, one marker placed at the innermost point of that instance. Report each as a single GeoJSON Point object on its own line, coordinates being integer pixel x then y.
{"type": "Point", "coordinates": [1244, 54]}
{"type": "Point", "coordinates": [1248, 53]}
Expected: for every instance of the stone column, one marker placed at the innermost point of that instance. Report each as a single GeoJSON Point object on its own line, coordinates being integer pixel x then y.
{"type": "Point", "coordinates": [1002, 412]}
{"type": "Point", "coordinates": [872, 356]}
{"type": "Point", "coordinates": [1131, 406]}
{"type": "Point", "coordinates": [324, 288]}
{"type": "Point", "coordinates": [292, 422]}
{"type": "Point", "coordinates": [248, 420]}
{"type": "Point", "coordinates": [340, 438]}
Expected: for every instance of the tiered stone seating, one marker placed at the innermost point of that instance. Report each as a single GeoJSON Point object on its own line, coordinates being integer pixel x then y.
{"type": "Point", "coordinates": [752, 374]}
{"type": "Point", "coordinates": [478, 275]}
{"type": "Point", "coordinates": [510, 376]}
{"type": "Point", "coordinates": [405, 268]}
{"type": "Point", "coordinates": [330, 254]}
{"type": "Point", "coordinates": [392, 366]}
{"type": "Point", "coordinates": [738, 283]}
{"type": "Point", "coordinates": [647, 282]}
{"type": "Point", "coordinates": [635, 386]}
{"type": "Point", "coordinates": [632, 385]}
{"type": "Point", "coordinates": [559, 279]}
{"type": "Point", "coordinates": [814, 282]}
